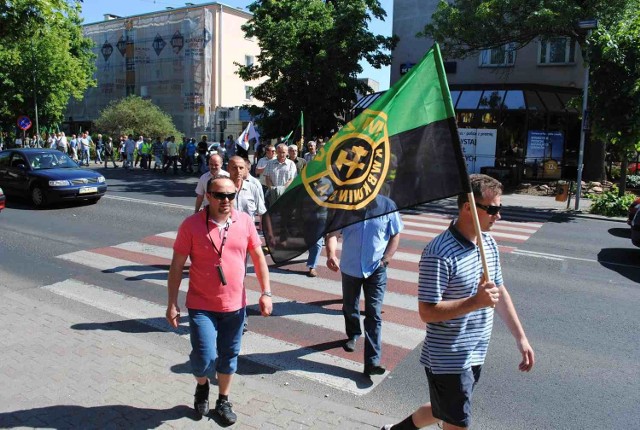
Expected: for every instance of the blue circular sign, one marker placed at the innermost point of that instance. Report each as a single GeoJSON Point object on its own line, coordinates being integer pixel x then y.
{"type": "Point", "coordinates": [24, 122]}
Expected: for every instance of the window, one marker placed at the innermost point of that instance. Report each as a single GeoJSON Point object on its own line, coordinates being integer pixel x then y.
{"type": "Point", "coordinates": [502, 56]}
{"type": "Point", "coordinates": [248, 60]}
{"type": "Point", "coordinates": [557, 50]}
{"type": "Point", "coordinates": [248, 93]}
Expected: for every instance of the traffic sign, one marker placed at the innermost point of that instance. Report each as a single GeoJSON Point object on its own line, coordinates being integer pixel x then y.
{"type": "Point", "coordinates": [24, 122]}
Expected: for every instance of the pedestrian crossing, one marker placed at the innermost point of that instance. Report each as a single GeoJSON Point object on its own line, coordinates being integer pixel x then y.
{"type": "Point", "coordinates": [305, 334]}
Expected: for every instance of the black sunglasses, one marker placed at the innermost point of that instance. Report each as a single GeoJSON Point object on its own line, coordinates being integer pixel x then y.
{"type": "Point", "coordinates": [491, 210]}
{"type": "Point", "coordinates": [221, 196]}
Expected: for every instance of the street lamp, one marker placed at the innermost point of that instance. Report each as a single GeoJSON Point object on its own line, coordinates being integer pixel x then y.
{"type": "Point", "coordinates": [589, 25]}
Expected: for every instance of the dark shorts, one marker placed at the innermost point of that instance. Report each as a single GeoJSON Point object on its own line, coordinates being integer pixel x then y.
{"type": "Point", "coordinates": [451, 395]}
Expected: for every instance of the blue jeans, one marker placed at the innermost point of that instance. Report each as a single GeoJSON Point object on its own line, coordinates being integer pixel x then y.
{"type": "Point", "coordinates": [314, 254]}
{"type": "Point", "coordinates": [374, 287]}
{"type": "Point", "coordinates": [215, 341]}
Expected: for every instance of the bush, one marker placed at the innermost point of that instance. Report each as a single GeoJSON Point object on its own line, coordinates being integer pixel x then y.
{"type": "Point", "coordinates": [633, 181]}
{"type": "Point", "coordinates": [610, 204]}
{"type": "Point", "coordinates": [615, 173]}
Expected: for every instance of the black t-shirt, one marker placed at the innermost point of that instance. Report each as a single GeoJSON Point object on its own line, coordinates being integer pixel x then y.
{"type": "Point", "coordinates": [202, 147]}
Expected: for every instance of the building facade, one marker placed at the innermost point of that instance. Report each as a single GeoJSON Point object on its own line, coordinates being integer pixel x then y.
{"type": "Point", "coordinates": [182, 59]}
{"type": "Point", "coordinates": [517, 110]}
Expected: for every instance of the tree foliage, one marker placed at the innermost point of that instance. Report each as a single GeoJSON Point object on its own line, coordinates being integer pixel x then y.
{"type": "Point", "coordinates": [614, 94]}
{"type": "Point", "coordinates": [309, 57]}
{"type": "Point", "coordinates": [137, 116]}
{"type": "Point", "coordinates": [463, 27]}
{"type": "Point", "coordinates": [44, 57]}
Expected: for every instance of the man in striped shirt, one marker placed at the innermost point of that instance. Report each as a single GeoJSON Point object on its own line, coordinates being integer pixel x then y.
{"type": "Point", "coordinates": [458, 306]}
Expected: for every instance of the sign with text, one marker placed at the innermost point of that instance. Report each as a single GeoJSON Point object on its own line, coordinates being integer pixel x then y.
{"type": "Point", "coordinates": [545, 145]}
{"type": "Point", "coordinates": [479, 147]}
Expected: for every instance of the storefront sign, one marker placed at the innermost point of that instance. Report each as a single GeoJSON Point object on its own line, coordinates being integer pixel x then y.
{"type": "Point", "coordinates": [478, 147]}
{"type": "Point", "coordinates": [542, 145]}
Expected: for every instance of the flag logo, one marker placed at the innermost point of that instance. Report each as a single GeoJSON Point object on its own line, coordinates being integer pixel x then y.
{"type": "Point", "coordinates": [354, 167]}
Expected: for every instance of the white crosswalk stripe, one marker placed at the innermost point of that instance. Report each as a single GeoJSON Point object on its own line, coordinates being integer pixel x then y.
{"type": "Point", "coordinates": [299, 302]}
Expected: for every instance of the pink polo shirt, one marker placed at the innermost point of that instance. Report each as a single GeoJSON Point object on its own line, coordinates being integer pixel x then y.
{"type": "Point", "coordinates": [206, 291]}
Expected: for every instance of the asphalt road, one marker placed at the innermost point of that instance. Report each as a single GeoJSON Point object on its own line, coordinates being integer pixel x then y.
{"type": "Point", "coordinates": [575, 284]}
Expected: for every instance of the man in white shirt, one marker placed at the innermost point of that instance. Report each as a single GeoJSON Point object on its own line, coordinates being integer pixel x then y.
{"type": "Point", "coordinates": [215, 169]}
{"type": "Point", "coordinates": [270, 154]}
{"type": "Point", "coordinates": [139, 144]}
{"type": "Point", "coordinates": [278, 174]}
{"type": "Point", "coordinates": [84, 148]}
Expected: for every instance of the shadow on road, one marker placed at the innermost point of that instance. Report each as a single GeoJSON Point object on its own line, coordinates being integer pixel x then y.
{"type": "Point", "coordinates": [625, 261]}
{"type": "Point", "coordinates": [95, 417]}
{"type": "Point", "coordinates": [621, 232]}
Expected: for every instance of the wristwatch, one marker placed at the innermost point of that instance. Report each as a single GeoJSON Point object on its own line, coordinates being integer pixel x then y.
{"type": "Point", "coordinates": [267, 293]}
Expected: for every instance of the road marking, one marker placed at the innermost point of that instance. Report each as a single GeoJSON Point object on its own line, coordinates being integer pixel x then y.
{"type": "Point", "coordinates": [566, 257]}
{"type": "Point", "coordinates": [325, 368]}
{"type": "Point", "coordinates": [147, 202]}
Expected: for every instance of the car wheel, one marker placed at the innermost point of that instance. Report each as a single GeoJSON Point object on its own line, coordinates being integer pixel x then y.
{"type": "Point", "coordinates": [38, 197]}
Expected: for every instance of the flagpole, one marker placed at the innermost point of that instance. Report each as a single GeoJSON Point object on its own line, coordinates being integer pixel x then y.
{"type": "Point", "coordinates": [476, 225]}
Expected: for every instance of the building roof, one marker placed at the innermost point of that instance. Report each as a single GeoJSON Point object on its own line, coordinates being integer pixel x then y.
{"type": "Point", "coordinates": [170, 10]}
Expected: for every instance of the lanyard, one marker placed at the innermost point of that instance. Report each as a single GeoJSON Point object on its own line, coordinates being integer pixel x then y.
{"type": "Point", "coordinates": [224, 237]}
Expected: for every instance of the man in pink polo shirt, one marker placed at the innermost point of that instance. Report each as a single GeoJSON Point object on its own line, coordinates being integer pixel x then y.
{"type": "Point", "coordinates": [216, 240]}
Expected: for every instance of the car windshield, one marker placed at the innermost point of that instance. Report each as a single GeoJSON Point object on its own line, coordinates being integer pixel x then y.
{"type": "Point", "coordinates": [50, 160]}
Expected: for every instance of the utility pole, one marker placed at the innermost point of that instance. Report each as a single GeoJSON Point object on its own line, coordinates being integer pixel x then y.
{"type": "Point", "coordinates": [588, 25]}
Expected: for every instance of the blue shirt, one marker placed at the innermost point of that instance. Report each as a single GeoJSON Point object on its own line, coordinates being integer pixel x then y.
{"type": "Point", "coordinates": [363, 243]}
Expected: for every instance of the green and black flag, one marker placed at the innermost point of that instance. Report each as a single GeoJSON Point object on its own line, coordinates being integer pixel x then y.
{"type": "Point", "coordinates": [402, 151]}
{"type": "Point", "coordinates": [296, 136]}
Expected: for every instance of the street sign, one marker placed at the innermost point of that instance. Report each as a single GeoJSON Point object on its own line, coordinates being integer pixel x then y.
{"type": "Point", "coordinates": [24, 122]}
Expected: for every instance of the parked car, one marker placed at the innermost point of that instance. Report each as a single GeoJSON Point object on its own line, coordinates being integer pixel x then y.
{"type": "Point", "coordinates": [635, 229]}
{"type": "Point", "coordinates": [2, 199]}
{"type": "Point", "coordinates": [47, 175]}
{"type": "Point", "coordinates": [633, 208]}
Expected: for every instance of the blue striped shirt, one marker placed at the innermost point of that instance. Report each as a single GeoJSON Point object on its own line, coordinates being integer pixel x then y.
{"type": "Point", "coordinates": [451, 268]}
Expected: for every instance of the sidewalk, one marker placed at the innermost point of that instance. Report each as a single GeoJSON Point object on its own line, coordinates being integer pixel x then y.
{"type": "Point", "coordinates": [57, 373]}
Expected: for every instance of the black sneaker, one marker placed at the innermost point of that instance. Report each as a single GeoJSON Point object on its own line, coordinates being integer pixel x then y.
{"type": "Point", "coordinates": [224, 411]}
{"type": "Point", "coordinates": [373, 369]}
{"type": "Point", "coordinates": [349, 345]}
{"type": "Point", "coordinates": [201, 401]}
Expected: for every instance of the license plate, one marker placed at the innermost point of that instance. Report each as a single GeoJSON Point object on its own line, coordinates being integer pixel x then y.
{"type": "Point", "coordinates": [88, 190]}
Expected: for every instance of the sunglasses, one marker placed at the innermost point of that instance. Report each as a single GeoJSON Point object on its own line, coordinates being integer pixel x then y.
{"type": "Point", "coordinates": [490, 210]}
{"type": "Point", "coordinates": [221, 196]}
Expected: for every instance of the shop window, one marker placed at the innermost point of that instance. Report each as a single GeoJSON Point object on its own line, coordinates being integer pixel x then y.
{"type": "Point", "coordinates": [502, 56]}
{"type": "Point", "coordinates": [557, 50]}
{"type": "Point", "coordinates": [492, 100]}
{"type": "Point", "coordinates": [469, 100]}
{"type": "Point", "coordinates": [454, 97]}
{"type": "Point", "coordinates": [489, 118]}
{"type": "Point", "coordinates": [533, 101]}
{"type": "Point", "coordinates": [571, 102]}
{"type": "Point", "coordinates": [465, 118]}
{"type": "Point", "coordinates": [514, 99]}
{"type": "Point", "coordinates": [551, 101]}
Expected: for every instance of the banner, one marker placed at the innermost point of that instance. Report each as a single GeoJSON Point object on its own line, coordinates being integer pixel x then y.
{"type": "Point", "coordinates": [402, 151]}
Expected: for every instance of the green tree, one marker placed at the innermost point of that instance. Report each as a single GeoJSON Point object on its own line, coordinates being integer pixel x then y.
{"type": "Point", "coordinates": [467, 26]}
{"type": "Point", "coordinates": [135, 115]}
{"type": "Point", "coordinates": [309, 57]}
{"type": "Point", "coordinates": [464, 27]}
{"type": "Point", "coordinates": [615, 91]}
{"type": "Point", "coordinates": [44, 58]}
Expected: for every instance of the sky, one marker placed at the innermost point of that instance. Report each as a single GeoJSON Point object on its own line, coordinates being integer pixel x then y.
{"type": "Point", "coordinates": [94, 10]}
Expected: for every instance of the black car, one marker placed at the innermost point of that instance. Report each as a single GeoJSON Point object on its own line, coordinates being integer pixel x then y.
{"type": "Point", "coordinates": [46, 176]}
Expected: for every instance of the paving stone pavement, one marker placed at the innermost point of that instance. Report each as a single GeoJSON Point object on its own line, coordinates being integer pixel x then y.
{"type": "Point", "coordinates": [54, 374]}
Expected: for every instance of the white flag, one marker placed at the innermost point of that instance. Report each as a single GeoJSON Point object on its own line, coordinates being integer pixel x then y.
{"type": "Point", "coordinates": [248, 134]}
